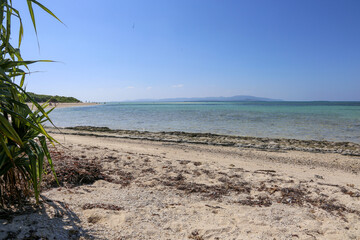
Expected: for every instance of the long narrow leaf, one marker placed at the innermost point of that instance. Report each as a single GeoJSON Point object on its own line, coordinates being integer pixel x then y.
{"type": "Point", "coordinates": [23, 138]}
{"type": "Point", "coordinates": [46, 10]}
{"type": "Point", "coordinates": [5, 148]}
{"type": "Point", "coordinates": [6, 128]}
{"type": "Point", "coordinates": [31, 11]}
{"type": "Point", "coordinates": [48, 156]}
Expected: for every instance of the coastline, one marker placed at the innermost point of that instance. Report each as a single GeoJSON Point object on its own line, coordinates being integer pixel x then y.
{"type": "Point", "coordinates": [142, 185]}
{"type": "Point", "coordinates": [266, 144]}
{"type": "Point", "coordinates": [66, 105]}
{"type": "Point", "coordinates": [290, 121]}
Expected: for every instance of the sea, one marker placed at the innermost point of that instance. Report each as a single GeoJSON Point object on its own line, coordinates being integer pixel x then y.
{"type": "Point", "coordinates": [332, 121]}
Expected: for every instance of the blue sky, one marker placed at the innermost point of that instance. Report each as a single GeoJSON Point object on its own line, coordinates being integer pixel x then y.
{"type": "Point", "coordinates": [121, 50]}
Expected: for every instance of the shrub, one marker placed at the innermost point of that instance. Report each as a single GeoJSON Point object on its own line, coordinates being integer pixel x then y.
{"type": "Point", "coordinates": [23, 139]}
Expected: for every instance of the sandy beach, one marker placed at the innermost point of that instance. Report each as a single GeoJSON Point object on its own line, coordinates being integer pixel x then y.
{"type": "Point", "coordinates": [66, 105]}
{"type": "Point", "coordinates": [208, 120]}
{"type": "Point", "coordinates": [156, 186]}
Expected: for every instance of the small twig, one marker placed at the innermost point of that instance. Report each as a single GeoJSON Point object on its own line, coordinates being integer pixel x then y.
{"type": "Point", "coordinates": [329, 184]}
{"type": "Point", "coordinates": [216, 207]}
{"type": "Point", "coordinates": [261, 170]}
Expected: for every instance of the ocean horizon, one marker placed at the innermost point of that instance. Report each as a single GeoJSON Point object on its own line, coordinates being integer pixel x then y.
{"type": "Point", "coordinates": [317, 120]}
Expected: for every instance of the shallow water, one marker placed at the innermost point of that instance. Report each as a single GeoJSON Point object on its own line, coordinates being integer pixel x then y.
{"type": "Point", "coordinates": [333, 121]}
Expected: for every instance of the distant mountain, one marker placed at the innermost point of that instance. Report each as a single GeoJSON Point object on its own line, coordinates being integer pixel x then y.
{"type": "Point", "coordinates": [238, 98]}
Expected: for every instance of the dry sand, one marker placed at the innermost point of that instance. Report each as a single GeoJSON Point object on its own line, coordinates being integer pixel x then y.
{"type": "Point", "coordinates": [169, 190]}
{"type": "Point", "coordinates": [66, 105]}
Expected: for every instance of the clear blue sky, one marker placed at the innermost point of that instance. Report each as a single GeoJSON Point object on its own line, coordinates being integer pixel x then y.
{"type": "Point", "coordinates": [121, 50]}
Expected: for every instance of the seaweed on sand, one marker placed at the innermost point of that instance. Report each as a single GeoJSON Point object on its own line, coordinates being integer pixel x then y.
{"type": "Point", "coordinates": [103, 206]}
{"type": "Point", "coordinates": [295, 195]}
{"type": "Point", "coordinates": [72, 171]}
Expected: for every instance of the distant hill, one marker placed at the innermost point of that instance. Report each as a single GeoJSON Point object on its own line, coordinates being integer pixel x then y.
{"type": "Point", "coordinates": [54, 99]}
{"type": "Point", "coordinates": [238, 98]}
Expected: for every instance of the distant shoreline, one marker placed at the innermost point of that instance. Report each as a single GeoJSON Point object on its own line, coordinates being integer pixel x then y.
{"type": "Point", "coordinates": [290, 120]}
{"type": "Point", "coordinates": [65, 105]}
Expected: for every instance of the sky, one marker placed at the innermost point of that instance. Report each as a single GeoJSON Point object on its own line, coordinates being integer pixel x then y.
{"type": "Point", "coordinates": [115, 50]}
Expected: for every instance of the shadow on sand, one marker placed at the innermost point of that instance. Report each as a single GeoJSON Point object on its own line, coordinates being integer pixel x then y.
{"type": "Point", "coordinates": [50, 220]}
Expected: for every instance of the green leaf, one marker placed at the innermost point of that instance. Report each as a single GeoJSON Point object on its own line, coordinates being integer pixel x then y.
{"type": "Point", "coordinates": [23, 138]}
{"type": "Point", "coordinates": [48, 156]}
{"type": "Point", "coordinates": [5, 148]}
{"type": "Point", "coordinates": [8, 130]}
{"type": "Point", "coordinates": [31, 11]}
{"type": "Point", "coordinates": [46, 10]}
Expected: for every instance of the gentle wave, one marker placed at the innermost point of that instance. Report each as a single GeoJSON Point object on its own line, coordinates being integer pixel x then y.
{"type": "Point", "coordinates": [332, 121]}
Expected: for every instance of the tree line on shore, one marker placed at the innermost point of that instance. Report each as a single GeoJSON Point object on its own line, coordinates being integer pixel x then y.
{"type": "Point", "coordinates": [52, 99]}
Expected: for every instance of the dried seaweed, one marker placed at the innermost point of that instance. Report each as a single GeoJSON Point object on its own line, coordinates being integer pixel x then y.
{"type": "Point", "coordinates": [261, 201]}
{"type": "Point", "coordinates": [72, 171]}
{"type": "Point", "coordinates": [292, 196]}
{"type": "Point", "coordinates": [103, 206]}
{"type": "Point", "coordinates": [299, 195]}
{"type": "Point", "coordinates": [344, 189]}
{"type": "Point", "coordinates": [209, 191]}
{"type": "Point", "coordinates": [195, 235]}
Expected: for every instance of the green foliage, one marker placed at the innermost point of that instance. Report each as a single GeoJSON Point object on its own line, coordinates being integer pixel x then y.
{"type": "Point", "coordinates": [53, 99]}
{"type": "Point", "coordinates": [23, 139]}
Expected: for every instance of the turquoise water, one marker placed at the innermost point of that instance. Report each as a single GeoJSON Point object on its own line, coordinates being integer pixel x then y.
{"type": "Point", "coordinates": [334, 121]}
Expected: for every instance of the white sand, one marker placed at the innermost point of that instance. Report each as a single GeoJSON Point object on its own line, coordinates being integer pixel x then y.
{"type": "Point", "coordinates": [175, 193]}
{"type": "Point", "coordinates": [66, 105]}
